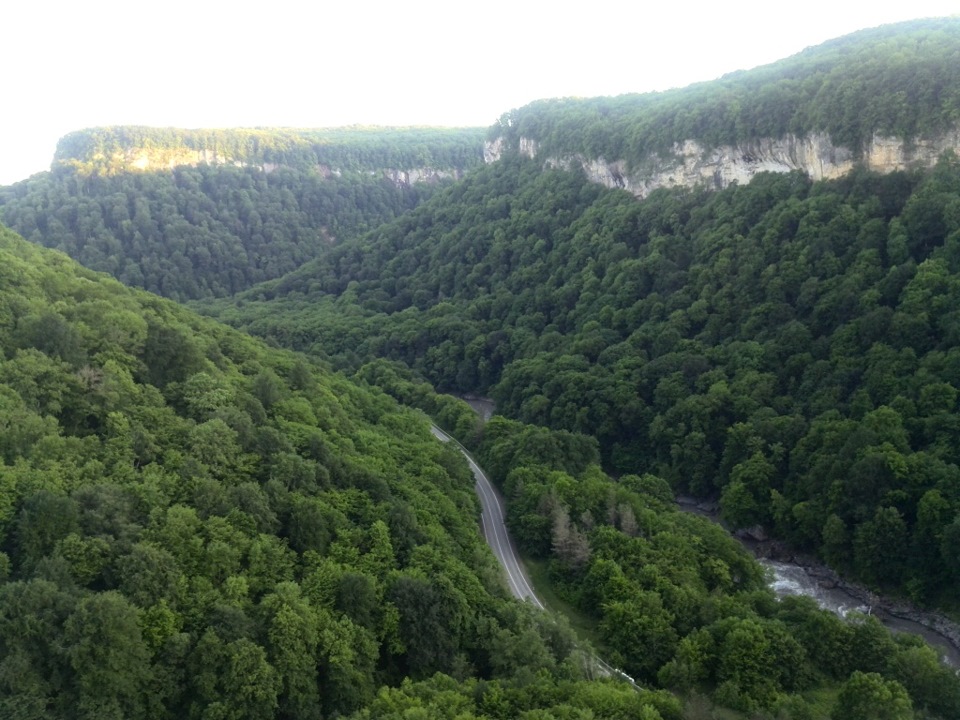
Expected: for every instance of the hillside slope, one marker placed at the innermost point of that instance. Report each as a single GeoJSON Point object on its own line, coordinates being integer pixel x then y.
{"type": "Point", "coordinates": [886, 98]}
{"type": "Point", "coordinates": [193, 525]}
{"type": "Point", "coordinates": [787, 346]}
{"type": "Point", "coordinates": [190, 214]}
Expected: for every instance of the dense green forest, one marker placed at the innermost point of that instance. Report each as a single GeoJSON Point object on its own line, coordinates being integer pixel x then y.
{"type": "Point", "coordinates": [897, 80]}
{"type": "Point", "coordinates": [215, 229]}
{"type": "Point", "coordinates": [194, 525]}
{"type": "Point", "coordinates": [788, 347]}
{"type": "Point", "coordinates": [200, 231]}
{"type": "Point", "coordinates": [350, 149]}
{"type": "Point", "coordinates": [673, 601]}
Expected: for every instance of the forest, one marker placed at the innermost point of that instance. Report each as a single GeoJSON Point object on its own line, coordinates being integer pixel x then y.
{"type": "Point", "coordinates": [212, 230]}
{"type": "Point", "coordinates": [202, 231]}
{"type": "Point", "coordinates": [896, 80]}
{"type": "Point", "coordinates": [212, 522]}
{"type": "Point", "coordinates": [196, 525]}
{"type": "Point", "coordinates": [788, 347]}
{"type": "Point", "coordinates": [351, 149]}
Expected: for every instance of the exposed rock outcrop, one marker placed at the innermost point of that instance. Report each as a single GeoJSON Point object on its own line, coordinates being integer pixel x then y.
{"type": "Point", "coordinates": [421, 175]}
{"type": "Point", "coordinates": [692, 164]}
{"type": "Point", "coordinates": [141, 159]}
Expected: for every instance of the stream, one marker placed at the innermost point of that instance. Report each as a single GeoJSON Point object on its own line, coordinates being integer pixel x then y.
{"type": "Point", "coordinates": [796, 575]}
{"type": "Point", "coordinates": [790, 575]}
{"type": "Point", "coordinates": [791, 579]}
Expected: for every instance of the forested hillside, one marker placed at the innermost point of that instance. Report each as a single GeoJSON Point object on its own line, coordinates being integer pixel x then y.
{"type": "Point", "coordinates": [216, 229]}
{"type": "Point", "coordinates": [789, 347]}
{"type": "Point", "coordinates": [199, 232]}
{"type": "Point", "coordinates": [898, 80]}
{"type": "Point", "coordinates": [351, 149]}
{"type": "Point", "coordinates": [193, 525]}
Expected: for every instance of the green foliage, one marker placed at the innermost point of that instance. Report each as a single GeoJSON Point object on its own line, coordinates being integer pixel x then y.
{"type": "Point", "coordinates": [355, 149]}
{"type": "Point", "coordinates": [197, 231]}
{"type": "Point", "coordinates": [897, 80]}
{"type": "Point", "coordinates": [763, 345]}
{"type": "Point", "coordinates": [677, 602]}
{"type": "Point", "coordinates": [266, 538]}
{"type": "Point", "coordinates": [108, 656]}
{"type": "Point", "coordinates": [194, 525]}
{"type": "Point", "coordinates": [220, 210]}
{"type": "Point", "coordinates": [867, 696]}
{"type": "Point", "coordinates": [443, 697]}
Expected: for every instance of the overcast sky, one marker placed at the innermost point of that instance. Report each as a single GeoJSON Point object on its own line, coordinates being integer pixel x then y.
{"type": "Point", "coordinates": [70, 64]}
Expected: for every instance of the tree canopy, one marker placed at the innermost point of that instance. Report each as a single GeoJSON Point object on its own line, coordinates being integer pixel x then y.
{"type": "Point", "coordinates": [897, 80]}
{"type": "Point", "coordinates": [347, 149]}
{"type": "Point", "coordinates": [783, 346]}
{"type": "Point", "coordinates": [195, 525]}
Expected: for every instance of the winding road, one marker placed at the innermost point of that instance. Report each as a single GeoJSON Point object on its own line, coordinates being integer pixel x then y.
{"type": "Point", "coordinates": [497, 537]}
{"type": "Point", "coordinates": [495, 528]}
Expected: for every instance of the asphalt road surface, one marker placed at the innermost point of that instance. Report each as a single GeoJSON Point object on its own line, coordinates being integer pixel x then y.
{"type": "Point", "coordinates": [495, 529]}
{"type": "Point", "coordinates": [495, 532]}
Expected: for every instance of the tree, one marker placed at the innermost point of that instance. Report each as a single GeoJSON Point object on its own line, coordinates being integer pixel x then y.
{"type": "Point", "coordinates": [427, 625]}
{"type": "Point", "coordinates": [570, 545]}
{"type": "Point", "coordinates": [641, 631]}
{"type": "Point", "coordinates": [32, 661]}
{"type": "Point", "coordinates": [109, 657]}
{"type": "Point", "coordinates": [745, 501]}
{"type": "Point", "coordinates": [293, 632]}
{"type": "Point", "coordinates": [879, 545]}
{"type": "Point", "coordinates": [46, 518]}
{"type": "Point", "coordinates": [148, 574]}
{"type": "Point", "coordinates": [867, 696]}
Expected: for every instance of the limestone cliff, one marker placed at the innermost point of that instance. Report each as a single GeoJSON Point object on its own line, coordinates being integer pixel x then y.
{"type": "Point", "coordinates": [134, 159]}
{"type": "Point", "coordinates": [421, 175]}
{"type": "Point", "coordinates": [692, 164]}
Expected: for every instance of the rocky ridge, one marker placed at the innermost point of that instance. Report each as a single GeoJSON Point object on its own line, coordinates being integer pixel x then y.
{"type": "Point", "coordinates": [693, 164]}
{"type": "Point", "coordinates": [144, 160]}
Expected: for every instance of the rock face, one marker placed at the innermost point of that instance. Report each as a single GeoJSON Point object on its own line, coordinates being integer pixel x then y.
{"type": "Point", "coordinates": [691, 164]}
{"type": "Point", "coordinates": [421, 175]}
{"type": "Point", "coordinates": [167, 159]}
{"type": "Point", "coordinates": [139, 159]}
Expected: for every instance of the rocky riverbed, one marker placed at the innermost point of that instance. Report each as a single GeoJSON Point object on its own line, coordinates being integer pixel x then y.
{"type": "Point", "coordinates": [797, 574]}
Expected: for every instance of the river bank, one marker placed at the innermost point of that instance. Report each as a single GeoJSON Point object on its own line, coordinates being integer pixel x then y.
{"type": "Point", "coordinates": [798, 574]}
{"type": "Point", "coordinates": [484, 407]}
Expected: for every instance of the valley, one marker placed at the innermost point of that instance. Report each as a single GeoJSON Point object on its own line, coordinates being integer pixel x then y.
{"type": "Point", "coordinates": [237, 479]}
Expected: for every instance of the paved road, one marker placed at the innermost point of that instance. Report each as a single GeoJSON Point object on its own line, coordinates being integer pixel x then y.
{"type": "Point", "coordinates": [495, 529]}
{"type": "Point", "coordinates": [495, 532]}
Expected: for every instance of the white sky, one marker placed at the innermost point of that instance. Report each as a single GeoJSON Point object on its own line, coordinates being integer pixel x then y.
{"type": "Point", "coordinates": [71, 64]}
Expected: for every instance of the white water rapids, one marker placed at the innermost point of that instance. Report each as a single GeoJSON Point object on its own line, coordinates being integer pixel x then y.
{"type": "Point", "coordinates": [789, 579]}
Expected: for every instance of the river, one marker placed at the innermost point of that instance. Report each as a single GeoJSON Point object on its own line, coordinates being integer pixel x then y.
{"type": "Point", "coordinates": [791, 579]}
{"type": "Point", "coordinates": [484, 407]}
{"type": "Point", "coordinates": [819, 582]}
{"type": "Point", "coordinates": [805, 576]}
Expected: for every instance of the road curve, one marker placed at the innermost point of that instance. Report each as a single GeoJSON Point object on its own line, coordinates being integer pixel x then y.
{"type": "Point", "coordinates": [497, 537]}
{"type": "Point", "coordinates": [495, 528]}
